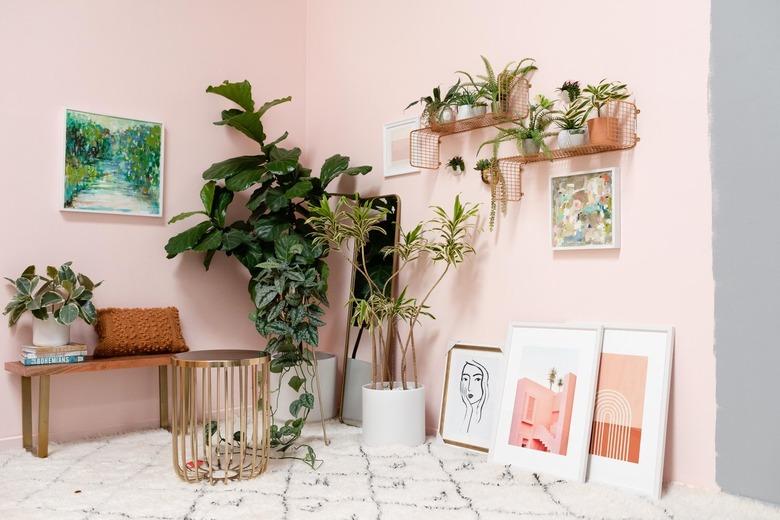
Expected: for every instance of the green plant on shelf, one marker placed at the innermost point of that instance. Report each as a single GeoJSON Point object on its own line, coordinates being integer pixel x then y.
{"type": "Point", "coordinates": [456, 164]}
{"type": "Point", "coordinates": [529, 134]}
{"type": "Point", "coordinates": [572, 90]}
{"type": "Point", "coordinates": [598, 96]}
{"type": "Point", "coordinates": [62, 295]}
{"type": "Point", "coordinates": [288, 273]}
{"type": "Point", "coordinates": [575, 118]}
{"type": "Point", "coordinates": [494, 87]}
{"type": "Point", "coordinates": [434, 104]}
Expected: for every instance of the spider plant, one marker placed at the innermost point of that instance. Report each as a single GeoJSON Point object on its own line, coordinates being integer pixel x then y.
{"type": "Point", "coordinates": [435, 103]}
{"type": "Point", "coordinates": [496, 87]}
{"type": "Point", "coordinates": [541, 115]}
{"type": "Point", "coordinates": [599, 95]}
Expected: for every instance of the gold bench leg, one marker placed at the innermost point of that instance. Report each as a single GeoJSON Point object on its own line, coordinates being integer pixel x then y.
{"type": "Point", "coordinates": [163, 380]}
{"type": "Point", "coordinates": [27, 412]}
{"type": "Point", "coordinates": [43, 417]}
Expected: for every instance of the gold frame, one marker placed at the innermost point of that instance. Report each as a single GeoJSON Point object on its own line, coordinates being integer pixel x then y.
{"type": "Point", "coordinates": [230, 459]}
{"type": "Point", "coordinates": [390, 354]}
{"type": "Point", "coordinates": [459, 346]}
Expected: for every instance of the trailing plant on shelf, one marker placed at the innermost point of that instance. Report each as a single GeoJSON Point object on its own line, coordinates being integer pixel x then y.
{"type": "Point", "coordinates": [570, 90]}
{"type": "Point", "coordinates": [62, 295]}
{"type": "Point", "coordinates": [438, 109]}
{"type": "Point", "coordinates": [496, 87]}
{"type": "Point", "coordinates": [456, 164]}
{"type": "Point", "coordinates": [288, 272]}
{"type": "Point", "coordinates": [445, 240]}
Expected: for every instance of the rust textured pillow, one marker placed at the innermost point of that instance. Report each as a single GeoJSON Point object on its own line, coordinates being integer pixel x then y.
{"type": "Point", "coordinates": [130, 332]}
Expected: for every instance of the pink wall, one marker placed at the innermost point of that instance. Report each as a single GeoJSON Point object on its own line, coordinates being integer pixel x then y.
{"type": "Point", "coordinates": [146, 59]}
{"type": "Point", "coordinates": [364, 64]}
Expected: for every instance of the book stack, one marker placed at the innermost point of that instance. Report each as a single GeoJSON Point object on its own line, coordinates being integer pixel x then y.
{"type": "Point", "coordinates": [70, 353]}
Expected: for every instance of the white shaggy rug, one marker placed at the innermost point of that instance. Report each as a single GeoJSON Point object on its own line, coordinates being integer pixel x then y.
{"type": "Point", "coordinates": [130, 477]}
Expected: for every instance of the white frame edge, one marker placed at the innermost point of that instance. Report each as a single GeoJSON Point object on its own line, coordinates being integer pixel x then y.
{"type": "Point", "coordinates": [399, 170]}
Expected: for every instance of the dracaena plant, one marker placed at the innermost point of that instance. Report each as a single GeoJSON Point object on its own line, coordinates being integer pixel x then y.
{"type": "Point", "coordinates": [575, 117]}
{"type": "Point", "coordinates": [288, 272]}
{"type": "Point", "coordinates": [605, 92]}
{"type": "Point", "coordinates": [61, 294]}
{"type": "Point", "coordinates": [445, 241]}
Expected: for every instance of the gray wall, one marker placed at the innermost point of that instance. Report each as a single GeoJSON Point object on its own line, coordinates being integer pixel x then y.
{"type": "Point", "coordinates": [745, 104]}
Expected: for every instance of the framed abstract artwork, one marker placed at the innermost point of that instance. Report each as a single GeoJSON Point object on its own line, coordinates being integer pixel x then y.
{"type": "Point", "coordinates": [112, 165]}
{"type": "Point", "coordinates": [396, 146]}
{"type": "Point", "coordinates": [632, 399]}
{"type": "Point", "coordinates": [585, 209]}
{"type": "Point", "coordinates": [470, 399]}
{"type": "Point", "coordinates": [545, 417]}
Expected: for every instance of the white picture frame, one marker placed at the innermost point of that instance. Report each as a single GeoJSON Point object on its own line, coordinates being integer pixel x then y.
{"type": "Point", "coordinates": [471, 394]}
{"type": "Point", "coordinates": [559, 239]}
{"type": "Point", "coordinates": [637, 466]}
{"type": "Point", "coordinates": [392, 137]}
{"type": "Point", "coordinates": [63, 197]}
{"type": "Point", "coordinates": [541, 429]}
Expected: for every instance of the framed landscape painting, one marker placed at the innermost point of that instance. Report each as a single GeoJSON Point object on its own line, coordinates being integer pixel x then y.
{"type": "Point", "coordinates": [470, 399]}
{"type": "Point", "coordinates": [585, 210]}
{"type": "Point", "coordinates": [112, 165]}
{"type": "Point", "coordinates": [544, 422]}
{"type": "Point", "coordinates": [632, 399]}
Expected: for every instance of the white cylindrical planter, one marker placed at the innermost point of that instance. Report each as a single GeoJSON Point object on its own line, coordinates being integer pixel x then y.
{"type": "Point", "coordinates": [50, 333]}
{"type": "Point", "coordinates": [566, 139]}
{"type": "Point", "coordinates": [479, 110]}
{"type": "Point", "coordinates": [529, 147]}
{"type": "Point", "coordinates": [393, 416]}
{"type": "Point", "coordinates": [464, 112]}
{"type": "Point", "coordinates": [326, 365]}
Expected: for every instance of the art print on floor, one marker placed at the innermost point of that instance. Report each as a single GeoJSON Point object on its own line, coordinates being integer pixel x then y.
{"type": "Point", "coordinates": [112, 165]}
{"type": "Point", "coordinates": [629, 422]}
{"type": "Point", "coordinates": [472, 387]}
{"type": "Point", "coordinates": [544, 421]}
{"type": "Point", "coordinates": [584, 210]}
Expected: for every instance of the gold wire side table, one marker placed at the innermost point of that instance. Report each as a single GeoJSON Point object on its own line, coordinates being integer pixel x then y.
{"type": "Point", "coordinates": [221, 415]}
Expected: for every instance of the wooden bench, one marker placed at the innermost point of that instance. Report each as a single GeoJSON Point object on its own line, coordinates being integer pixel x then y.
{"type": "Point", "coordinates": [44, 372]}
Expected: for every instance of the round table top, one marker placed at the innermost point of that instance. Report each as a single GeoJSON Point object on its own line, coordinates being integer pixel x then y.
{"type": "Point", "coordinates": [220, 358]}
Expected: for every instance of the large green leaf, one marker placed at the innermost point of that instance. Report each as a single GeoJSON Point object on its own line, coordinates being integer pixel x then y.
{"type": "Point", "coordinates": [276, 199]}
{"type": "Point", "coordinates": [68, 313]}
{"type": "Point", "coordinates": [299, 189]}
{"type": "Point", "coordinates": [224, 169]}
{"type": "Point", "coordinates": [234, 238]}
{"type": "Point", "coordinates": [223, 198]}
{"type": "Point", "coordinates": [212, 240]}
{"type": "Point", "coordinates": [51, 298]}
{"type": "Point", "coordinates": [244, 179]}
{"type": "Point", "coordinates": [240, 93]}
{"type": "Point", "coordinates": [307, 400]}
{"type": "Point", "coordinates": [186, 214]}
{"type": "Point", "coordinates": [248, 124]}
{"type": "Point", "coordinates": [336, 165]}
{"type": "Point", "coordinates": [283, 160]}
{"type": "Point", "coordinates": [207, 195]}
{"type": "Point", "coordinates": [263, 109]}
{"type": "Point", "coordinates": [270, 228]}
{"type": "Point", "coordinates": [186, 239]}
{"type": "Point", "coordinates": [23, 285]}
{"type": "Point", "coordinates": [88, 312]}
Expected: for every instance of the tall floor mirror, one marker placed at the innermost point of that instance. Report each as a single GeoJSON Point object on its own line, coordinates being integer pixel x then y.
{"type": "Point", "coordinates": [357, 345]}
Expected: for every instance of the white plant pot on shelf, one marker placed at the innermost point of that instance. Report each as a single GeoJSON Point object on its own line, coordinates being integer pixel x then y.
{"type": "Point", "coordinates": [478, 110]}
{"type": "Point", "coordinates": [394, 416]}
{"type": "Point", "coordinates": [50, 333]}
{"type": "Point", "coordinates": [326, 365]}
{"type": "Point", "coordinates": [566, 139]}
{"type": "Point", "coordinates": [464, 112]}
{"type": "Point", "coordinates": [446, 115]}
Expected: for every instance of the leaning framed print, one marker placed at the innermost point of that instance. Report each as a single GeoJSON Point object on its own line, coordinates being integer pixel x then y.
{"type": "Point", "coordinates": [544, 420]}
{"type": "Point", "coordinates": [112, 165]}
{"type": "Point", "coordinates": [395, 137]}
{"type": "Point", "coordinates": [632, 400]}
{"type": "Point", "coordinates": [469, 402]}
{"type": "Point", "coordinates": [585, 209]}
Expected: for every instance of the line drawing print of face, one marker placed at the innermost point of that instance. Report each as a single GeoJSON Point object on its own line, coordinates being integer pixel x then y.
{"type": "Point", "coordinates": [473, 391]}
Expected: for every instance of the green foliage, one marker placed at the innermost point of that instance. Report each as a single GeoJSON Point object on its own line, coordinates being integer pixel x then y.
{"type": "Point", "coordinates": [456, 164]}
{"type": "Point", "coordinates": [482, 165]}
{"type": "Point", "coordinates": [289, 275]}
{"type": "Point", "coordinates": [541, 114]}
{"type": "Point", "coordinates": [576, 116]}
{"type": "Point", "coordinates": [62, 294]}
{"type": "Point", "coordinates": [495, 87]}
{"type": "Point", "coordinates": [606, 91]}
{"type": "Point", "coordinates": [434, 103]}
{"type": "Point", "coordinates": [572, 90]}
{"type": "Point", "coordinates": [445, 241]}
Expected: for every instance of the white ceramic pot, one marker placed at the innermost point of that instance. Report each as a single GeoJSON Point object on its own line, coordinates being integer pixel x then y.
{"type": "Point", "coordinates": [326, 365]}
{"type": "Point", "coordinates": [464, 112]}
{"type": "Point", "coordinates": [49, 333]}
{"type": "Point", "coordinates": [529, 147]}
{"type": "Point", "coordinates": [446, 115]}
{"type": "Point", "coordinates": [393, 416]}
{"type": "Point", "coordinates": [479, 110]}
{"type": "Point", "coordinates": [357, 374]}
{"type": "Point", "coordinates": [566, 139]}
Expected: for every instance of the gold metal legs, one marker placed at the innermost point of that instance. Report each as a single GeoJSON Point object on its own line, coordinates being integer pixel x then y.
{"type": "Point", "coordinates": [163, 380]}
{"type": "Point", "coordinates": [43, 416]}
{"type": "Point", "coordinates": [27, 412]}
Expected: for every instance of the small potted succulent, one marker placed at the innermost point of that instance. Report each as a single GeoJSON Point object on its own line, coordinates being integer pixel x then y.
{"type": "Point", "coordinates": [573, 124]}
{"type": "Point", "coordinates": [437, 109]}
{"type": "Point", "coordinates": [569, 91]}
{"type": "Point", "coordinates": [55, 301]}
{"type": "Point", "coordinates": [456, 164]}
{"type": "Point", "coordinates": [604, 129]}
{"type": "Point", "coordinates": [483, 167]}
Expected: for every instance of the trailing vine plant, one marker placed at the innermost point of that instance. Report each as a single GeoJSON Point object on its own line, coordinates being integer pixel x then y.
{"type": "Point", "coordinates": [288, 273]}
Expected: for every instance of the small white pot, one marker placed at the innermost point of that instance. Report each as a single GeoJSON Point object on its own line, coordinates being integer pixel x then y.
{"type": "Point", "coordinates": [566, 139]}
{"type": "Point", "coordinates": [464, 112]}
{"type": "Point", "coordinates": [479, 110]}
{"type": "Point", "coordinates": [393, 416]}
{"type": "Point", "coordinates": [446, 115]}
{"type": "Point", "coordinates": [529, 147]}
{"type": "Point", "coordinates": [357, 374]}
{"type": "Point", "coordinates": [326, 365]}
{"type": "Point", "coordinates": [49, 333]}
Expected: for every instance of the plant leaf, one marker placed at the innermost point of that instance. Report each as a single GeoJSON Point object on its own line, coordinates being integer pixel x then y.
{"type": "Point", "coordinates": [244, 179]}
{"type": "Point", "coordinates": [299, 189]}
{"type": "Point", "coordinates": [296, 382]}
{"type": "Point", "coordinates": [248, 123]}
{"type": "Point", "coordinates": [224, 169]}
{"type": "Point", "coordinates": [223, 199]}
{"type": "Point", "coordinates": [332, 167]}
{"type": "Point", "coordinates": [212, 240]}
{"type": "Point", "coordinates": [51, 298]}
{"type": "Point", "coordinates": [240, 93]}
{"type": "Point", "coordinates": [68, 313]}
{"type": "Point", "coordinates": [263, 109]}
{"type": "Point", "coordinates": [276, 199]}
{"type": "Point", "coordinates": [186, 239]}
{"type": "Point", "coordinates": [207, 195]}
{"type": "Point", "coordinates": [186, 214]}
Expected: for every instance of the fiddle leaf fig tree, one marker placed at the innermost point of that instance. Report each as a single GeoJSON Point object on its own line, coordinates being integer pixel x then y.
{"type": "Point", "coordinates": [288, 273]}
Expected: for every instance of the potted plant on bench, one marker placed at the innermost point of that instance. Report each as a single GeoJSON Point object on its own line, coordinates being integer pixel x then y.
{"type": "Point", "coordinates": [55, 301]}
{"type": "Point", "coordinates": [394, 409]}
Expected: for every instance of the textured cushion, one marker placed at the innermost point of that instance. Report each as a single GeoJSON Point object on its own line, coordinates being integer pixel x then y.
{"type": "Point", "coordinates": [130, 332]}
